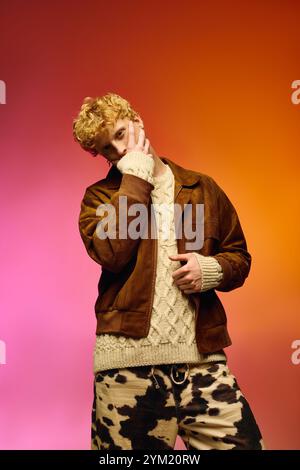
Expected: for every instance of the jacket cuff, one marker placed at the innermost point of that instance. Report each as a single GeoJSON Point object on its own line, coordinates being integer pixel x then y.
{"type": "Point", "coordinates": [138, 164]}
{"type": "Point", "coordinates": [211, 271]}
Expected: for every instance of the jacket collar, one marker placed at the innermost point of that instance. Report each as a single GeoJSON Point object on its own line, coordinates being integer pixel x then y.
{"type": "Point", "coordinates": [182, 176]}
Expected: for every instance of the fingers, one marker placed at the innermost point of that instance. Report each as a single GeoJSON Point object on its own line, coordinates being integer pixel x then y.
{"type": "Point", "coordinates": [147, 145]}
{"type": "Point", "coordinates": [131, 140]}
{"type": "Point", "coordinates": [142, 144]}
{"type": "Point", "coordinates": [131, 136]}
{"type": "Point", "coordinates": [141, 138]}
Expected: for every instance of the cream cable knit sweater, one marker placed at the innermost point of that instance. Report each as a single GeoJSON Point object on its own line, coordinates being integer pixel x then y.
{"type": "Point", "coordinates": [171, 337]}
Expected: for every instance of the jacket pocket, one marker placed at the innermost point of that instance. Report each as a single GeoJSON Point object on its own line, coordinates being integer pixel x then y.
{"type": "Point", "coordinates": [120, 301]}
{"type": "Point", "coordinates": [212, 312]}
{"type": "Point", "coordinates": [112, 290]}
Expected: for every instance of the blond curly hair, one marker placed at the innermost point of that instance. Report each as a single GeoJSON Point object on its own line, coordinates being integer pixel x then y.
{"type": "Point", "coordinates": [96, 115]}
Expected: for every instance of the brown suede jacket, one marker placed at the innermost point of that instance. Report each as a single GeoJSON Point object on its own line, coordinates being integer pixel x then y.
{"type": "Point", "coordinates": [126, 285]}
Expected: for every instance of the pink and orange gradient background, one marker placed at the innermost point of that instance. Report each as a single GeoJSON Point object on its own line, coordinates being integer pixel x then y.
{"type": "Point", "coordinates": [212, 82]}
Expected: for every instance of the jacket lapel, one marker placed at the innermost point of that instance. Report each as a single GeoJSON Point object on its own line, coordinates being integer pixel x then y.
{"type": "Point", "coordinates": [183, 187]}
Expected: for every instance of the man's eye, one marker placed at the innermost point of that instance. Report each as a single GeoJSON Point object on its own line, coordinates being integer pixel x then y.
{"type": "Point", "coordinates": [120, 135]}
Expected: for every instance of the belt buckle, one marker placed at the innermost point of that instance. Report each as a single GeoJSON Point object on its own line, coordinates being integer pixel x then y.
{"type": "Point", "coordinates": [177, 374]}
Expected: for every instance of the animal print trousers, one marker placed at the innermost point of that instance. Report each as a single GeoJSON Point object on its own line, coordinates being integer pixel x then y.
{"type": "Point", "coordinates": [145, 407]}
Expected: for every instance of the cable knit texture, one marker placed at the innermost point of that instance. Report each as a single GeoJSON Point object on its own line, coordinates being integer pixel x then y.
{"type": "Point", "coordinates": [138, 164]}
{"type": "Point", "coordinates": [171, 337]}
{"type": "Point", "coordinates": [211, 271]}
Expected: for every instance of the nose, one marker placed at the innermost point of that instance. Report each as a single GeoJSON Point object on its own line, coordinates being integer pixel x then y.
{"type": "Point", "coordinates": [120, 148]}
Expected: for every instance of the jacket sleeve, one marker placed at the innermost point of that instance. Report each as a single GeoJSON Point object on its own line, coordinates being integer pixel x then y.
{"type": "Point", "coordinates": [112, 253]}
{"type": "Point", "coordinates": [233, 255]}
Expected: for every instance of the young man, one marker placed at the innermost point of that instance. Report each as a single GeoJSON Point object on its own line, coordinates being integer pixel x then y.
{"type": "Point", "coordinates": [159, 361]}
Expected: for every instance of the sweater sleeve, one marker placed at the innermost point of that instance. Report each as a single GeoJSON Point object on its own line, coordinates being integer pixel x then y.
{"type": "Point", "coordinates": [211, 271]}
{"type": "Point", "coordinates": [138, 164]}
